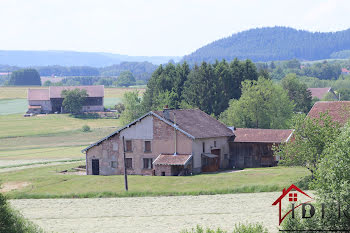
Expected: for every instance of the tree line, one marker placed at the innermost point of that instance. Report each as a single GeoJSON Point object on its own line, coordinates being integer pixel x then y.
{"type": "Point", "coordinates": [234, 92]}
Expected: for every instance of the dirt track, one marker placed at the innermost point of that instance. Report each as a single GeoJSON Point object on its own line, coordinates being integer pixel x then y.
{"type": "Point", "coordinates": [150, 214]}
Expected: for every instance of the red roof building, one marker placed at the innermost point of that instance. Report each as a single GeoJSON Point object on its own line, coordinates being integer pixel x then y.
{"type": "Point", "coordinates": [338, 110]}
{"type": "Point", "coordinates": [345, 71]}
{"type": "Point", "coordinates": [254, 147]}
{"type": "Point", "coordinates": [262, 135]}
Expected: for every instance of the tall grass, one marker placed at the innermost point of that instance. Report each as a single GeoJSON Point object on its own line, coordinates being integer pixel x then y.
{"type": "Point", "coordinates": [239, 228]}
{"type": "Point", "coordinates": [245, 189]}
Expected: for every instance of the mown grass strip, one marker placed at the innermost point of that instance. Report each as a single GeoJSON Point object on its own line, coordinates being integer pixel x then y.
{"type": "Point", "coordinates": [39, 163]}
{"type": "Point", "coordinates": [245, 189]}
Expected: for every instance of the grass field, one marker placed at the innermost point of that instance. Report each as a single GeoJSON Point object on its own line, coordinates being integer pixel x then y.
{"type": "Point", "coordinates": [17, 125]}
{"type": "Point", "coordinates": [151, 214]}
{"type": "Point", "coordinates": [22, 92]}
{"type": "Point", "coordinates": [47, 182]}
{"type": "Point", "coordinates": [13, 106]}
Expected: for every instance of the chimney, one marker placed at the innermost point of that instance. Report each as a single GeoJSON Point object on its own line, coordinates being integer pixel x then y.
{"type": "Point", "coordinates": [166, 113]}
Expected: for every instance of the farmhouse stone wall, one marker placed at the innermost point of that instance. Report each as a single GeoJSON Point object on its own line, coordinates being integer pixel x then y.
{"type": "Point", "coordinates": [106, 153]}
{"type": "Point", "coordinates": [163, 168]}
{"type": "Point", "coordinates": [161, 136]}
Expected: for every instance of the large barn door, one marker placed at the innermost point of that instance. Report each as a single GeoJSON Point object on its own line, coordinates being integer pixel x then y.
{"type": "Point", "coordinates": [95, 167]}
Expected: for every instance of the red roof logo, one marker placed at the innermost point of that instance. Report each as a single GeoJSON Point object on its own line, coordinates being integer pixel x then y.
{"type": "Point", "coordinates": [292, 197]}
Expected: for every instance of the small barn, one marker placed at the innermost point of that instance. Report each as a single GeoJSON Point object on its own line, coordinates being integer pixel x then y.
{"type": "Point", "coordinates": [49, 100]}
{"type": "Point", "coordinates": [253, 147]}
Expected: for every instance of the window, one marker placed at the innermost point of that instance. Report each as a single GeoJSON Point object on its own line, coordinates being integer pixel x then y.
{"type": "Point", "coordinates": [128, 146]}
{"type": "Point", "coordinates": [128, 163]}
{"type": "Point", "coordinates": [214, 143]}
{"type": "Point", "coordinates": [114, 164]}
{"type": "Point", "coordinates": [147, 163]}
{"type": "Point", "coordinates": [148, 146]}
{"type": "Point", "coordinates": [115, 146]}
{"type": "Point", "coordinates": [293, 197]}
{"type": "Point", "coordinates": [203, 145]}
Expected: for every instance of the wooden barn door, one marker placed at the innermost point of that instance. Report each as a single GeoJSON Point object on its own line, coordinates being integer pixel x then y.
{"type": "Point", "coordinates": [95, 167]}
{"type": "Point", "coordinates": [216, 160]}
{"type": "Point", "coordinates": [211, 164]}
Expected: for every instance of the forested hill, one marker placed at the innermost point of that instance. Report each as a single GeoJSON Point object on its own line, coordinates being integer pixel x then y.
{"type": "Point", "coordinates": [274, 43]}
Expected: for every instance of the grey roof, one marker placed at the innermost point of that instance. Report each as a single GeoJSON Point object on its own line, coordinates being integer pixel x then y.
{"type": "Point", "coordinates": [171, 159]}
{"type": "Point", "coordinates": [204, 126]}
{"type": "Point", "coordinates": [197, 123]}
{"type": "Point", "coordinates": [92, 91]}
{"type": "Point", "coordinates": [38, 94]}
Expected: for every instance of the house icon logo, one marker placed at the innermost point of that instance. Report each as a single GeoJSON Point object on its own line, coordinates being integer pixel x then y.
{"type": "Point", "coordinates": [292, 195]}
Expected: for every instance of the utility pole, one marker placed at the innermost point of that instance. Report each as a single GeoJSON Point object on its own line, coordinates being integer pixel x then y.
{"type": "Point", "coordinates": [125, 173]}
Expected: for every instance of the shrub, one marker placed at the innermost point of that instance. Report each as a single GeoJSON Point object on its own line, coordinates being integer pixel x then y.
{"type": "Point", "coordinates": [85, 128]}
{"type": "Point", "coordinates": [239, 228]}
{"type": "Point", "coordinates": [200, 229]}
{"type": "Point", "coordinates": [249, 228]}
{"type": "Point", "coordinates": [12, 221]}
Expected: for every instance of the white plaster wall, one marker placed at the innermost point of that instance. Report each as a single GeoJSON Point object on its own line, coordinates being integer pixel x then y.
{"type": "Point", "coordinates": [197, 149]}
{"type": "Point", "coordinates": [141, 130]}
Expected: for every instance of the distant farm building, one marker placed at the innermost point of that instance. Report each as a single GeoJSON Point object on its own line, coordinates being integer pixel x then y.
{"type": "Point", "coordinates": [321, 93]}
{"type": "Point", "coordinates": [50, 100]}
{"type": "Point", "coordinates": [345, 71]}
{"type": "Point", "coordinates": [339, 111]}
{"type": "Point", "coordinates": [5, 73]}
{"type": "Point", "coordinates": [253, 147]}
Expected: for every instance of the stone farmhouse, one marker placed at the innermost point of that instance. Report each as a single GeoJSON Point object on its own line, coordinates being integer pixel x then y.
{"type": "Point", "coordinates": [181, 142]}
{"type": "Point", "coordinates": [50, 100]}
{"type": "Point", "coordinates": [169, 142]}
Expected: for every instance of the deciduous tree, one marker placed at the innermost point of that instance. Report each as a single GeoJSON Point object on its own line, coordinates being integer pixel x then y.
{"type": "Point", "coordinates": [73, 100]}
{"type": "Point", "coordinates": [263, 104]}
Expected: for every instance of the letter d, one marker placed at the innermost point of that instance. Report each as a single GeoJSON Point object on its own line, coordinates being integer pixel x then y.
{"type": "Point", "coordinates": [312, 210]}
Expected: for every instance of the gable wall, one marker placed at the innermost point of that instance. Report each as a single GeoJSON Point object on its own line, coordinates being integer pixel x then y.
{"type": "Point", "coordinates": [106, 152]}
{"type": "Point", "coordinates": [161, 135]}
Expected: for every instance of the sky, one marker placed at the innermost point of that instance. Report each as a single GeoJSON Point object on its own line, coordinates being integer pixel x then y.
{"type": "Point", "coordinates": [154, 27]}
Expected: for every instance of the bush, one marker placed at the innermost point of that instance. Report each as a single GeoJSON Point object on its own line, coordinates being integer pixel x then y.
{"type": "Point", "coordinates": [239, 228]}
{"type": "Point", "coordinates": [12, 221]}
{"type": "Point", "coordinates": [249, 228]}
{"type": "Point", "coordinates": [85, 128]}
{"type": "Point", "coordinates": [332, 186]}
{"type": "Point", "coordinates": [200, 229]}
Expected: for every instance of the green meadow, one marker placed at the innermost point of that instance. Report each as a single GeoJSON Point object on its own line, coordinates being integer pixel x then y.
{"type": "Point", "coordinates": [49, 182]}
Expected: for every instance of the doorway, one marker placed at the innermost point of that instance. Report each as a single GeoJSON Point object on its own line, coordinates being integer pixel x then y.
{"type": "Point", "coordinates": [95, 167]}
